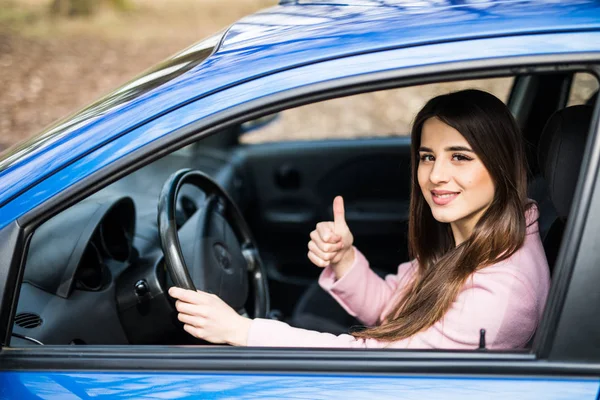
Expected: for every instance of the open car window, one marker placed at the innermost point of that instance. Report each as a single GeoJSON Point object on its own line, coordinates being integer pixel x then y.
{"type": "Point", "coordinates": [386, 113]}
{"type": "Point", "coordinates": [584, 89]}
{"type": "Point", "coordinates": [101, 263]}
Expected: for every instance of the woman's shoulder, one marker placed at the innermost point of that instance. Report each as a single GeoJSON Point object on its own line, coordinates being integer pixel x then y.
{"type": "Point", "coordinates": [523, 265]}
{"type": "Point", "coordinates": [525, 273]}
{"type": "Point", "coordinates": [529, 262]}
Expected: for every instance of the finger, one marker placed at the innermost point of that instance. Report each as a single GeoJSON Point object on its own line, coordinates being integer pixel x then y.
{"type": "Point", "coordinates": [317, 261]}
{"type": "Point", "coordinates": [325, 251]}
{"type": "Point", "coordinates": [339, 216]}
{"type": "Point", "coordinates": [191, 309]}
{"type": "Point", "coordinates": [192, 330]}
{"type": "Point", "coordinates": [188, 296]}
{"type": "Point", "coordinates": [206, 295]}
{"type": "Point", "coordinates": [194, 321]}
{"type": "Point", "coordinates": [331, 248]}
{"type": "Point", "coordinates": [316, 251]}
{"type": "Point", "coordinates": [315, 237]}
{"type": "Point", "coordinates": [326, 233]}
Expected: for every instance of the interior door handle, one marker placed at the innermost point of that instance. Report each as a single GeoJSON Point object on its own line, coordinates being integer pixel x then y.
{"type": "Point", "coordinates": [377, 211]}
{"type": "Point", "coordinates": [298, 216]}
{"type": "Point", "coordinates": [375, 216]}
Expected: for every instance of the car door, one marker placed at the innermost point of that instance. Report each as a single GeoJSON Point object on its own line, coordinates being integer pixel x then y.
{"type": "Point", "coordinates": [112, 384]}
{"type": "Point", "coordinates": [564, 361]}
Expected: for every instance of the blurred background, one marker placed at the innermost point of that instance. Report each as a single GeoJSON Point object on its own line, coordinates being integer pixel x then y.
{"type": "Point", "coordinates": [57, 56]}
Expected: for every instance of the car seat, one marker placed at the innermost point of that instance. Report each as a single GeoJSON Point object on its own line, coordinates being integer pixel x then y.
{"type": "Point", "coordinates": [560, 152]}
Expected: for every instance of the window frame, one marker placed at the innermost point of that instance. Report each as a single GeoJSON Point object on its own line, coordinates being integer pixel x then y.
{"type": "Point", "coordinates": [18, 235]}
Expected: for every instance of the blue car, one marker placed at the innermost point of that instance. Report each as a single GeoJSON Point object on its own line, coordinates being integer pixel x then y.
{"type": "Point", "coordinates": [194, 174]}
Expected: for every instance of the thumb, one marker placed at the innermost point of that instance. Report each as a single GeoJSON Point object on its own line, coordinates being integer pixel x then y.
{"type": "Point", "coordinates": [339, 218]}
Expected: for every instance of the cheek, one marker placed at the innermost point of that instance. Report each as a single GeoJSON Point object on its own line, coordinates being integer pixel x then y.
{"type": "Point", "coordinates": [422, 177]}
{"type": "Point", "coordinates": [478, 179]}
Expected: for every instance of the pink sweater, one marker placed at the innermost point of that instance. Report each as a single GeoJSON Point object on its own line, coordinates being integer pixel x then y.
{"type": "Point", "coordinates": [506, 299]}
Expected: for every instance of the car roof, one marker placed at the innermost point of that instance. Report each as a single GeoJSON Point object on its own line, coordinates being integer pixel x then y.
{"type": "Point", "coordinates": [282, 37]}
{"type": "Point", "coordinates": [360, 25]}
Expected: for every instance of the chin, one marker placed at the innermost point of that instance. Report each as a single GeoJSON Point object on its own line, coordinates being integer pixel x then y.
{"type": "Point", "coordinates": [443, 216]}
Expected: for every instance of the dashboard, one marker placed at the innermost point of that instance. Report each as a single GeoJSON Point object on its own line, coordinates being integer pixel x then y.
{"type": "Point", "coordinates": [95, 272]}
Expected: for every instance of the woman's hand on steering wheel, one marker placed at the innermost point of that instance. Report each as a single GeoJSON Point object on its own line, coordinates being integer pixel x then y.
{"type": "Point", "coordinates": [206, 316]}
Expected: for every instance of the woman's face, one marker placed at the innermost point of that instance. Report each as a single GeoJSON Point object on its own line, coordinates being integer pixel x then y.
{"type": "Point", "coordinates": [454, 181]}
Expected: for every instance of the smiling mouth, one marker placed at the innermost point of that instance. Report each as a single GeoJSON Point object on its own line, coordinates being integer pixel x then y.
{"type": "Point", "coordinates": [441, 199]}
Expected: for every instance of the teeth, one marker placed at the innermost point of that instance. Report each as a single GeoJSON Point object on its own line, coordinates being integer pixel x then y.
{"type": "Point", "coordinates": [443, 196]}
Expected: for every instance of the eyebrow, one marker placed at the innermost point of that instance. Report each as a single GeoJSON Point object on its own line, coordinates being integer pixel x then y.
{"type": "Point", "coordinates": [451, 148]}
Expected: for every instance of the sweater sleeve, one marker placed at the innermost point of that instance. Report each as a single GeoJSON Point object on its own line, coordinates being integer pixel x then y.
{"type": "Point", "coordinates": [271, 333]}
{"type": "Point", "coordinates": [363, 293]}
{"type": "Point", "coordinates": [495, 299]}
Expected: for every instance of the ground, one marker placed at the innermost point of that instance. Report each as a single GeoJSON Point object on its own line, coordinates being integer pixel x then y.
{"type": "Point", "coordinates": [51, 67]}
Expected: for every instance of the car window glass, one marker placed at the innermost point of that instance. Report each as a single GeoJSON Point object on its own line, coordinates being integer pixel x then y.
{"type": "Point", "coordinates": [584, 89]}
{"type": "Point", "coordinates": [376, 114]}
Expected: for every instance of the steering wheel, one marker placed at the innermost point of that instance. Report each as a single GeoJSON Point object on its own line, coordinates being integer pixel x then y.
{"type": "Point", "coordinates": [219, 254]}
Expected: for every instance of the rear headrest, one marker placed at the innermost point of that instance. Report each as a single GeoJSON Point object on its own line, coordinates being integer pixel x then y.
{"type": "Point", "coordinates": [560, 152]}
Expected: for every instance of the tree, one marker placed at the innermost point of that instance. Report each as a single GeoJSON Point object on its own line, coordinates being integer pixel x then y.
{"type": "Point", "coordinates": [85, 7]}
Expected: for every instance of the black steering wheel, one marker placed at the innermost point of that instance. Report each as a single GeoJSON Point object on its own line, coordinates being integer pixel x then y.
{"type": "Point", "coordinates": [219, 255]}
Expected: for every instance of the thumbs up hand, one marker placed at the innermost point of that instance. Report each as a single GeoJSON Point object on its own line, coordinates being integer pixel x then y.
{"type": "Point", "coordinates": [331, 242]}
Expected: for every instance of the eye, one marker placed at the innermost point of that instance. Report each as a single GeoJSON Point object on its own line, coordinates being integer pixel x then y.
{"type": "Point", "coordinates": [427, 158]}
{"type": "Point", "coordinates": [460, 157]}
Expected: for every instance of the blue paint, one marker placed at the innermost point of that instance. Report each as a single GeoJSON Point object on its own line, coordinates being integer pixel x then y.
{"type": "Point", "coordinates": [285, 37]}
{"type": "Point", "coordinates": [495, 48]}
{"type": "Point", "coordinates": [281, 49]}
{"type": "Point", "coordinates": [125, 385]}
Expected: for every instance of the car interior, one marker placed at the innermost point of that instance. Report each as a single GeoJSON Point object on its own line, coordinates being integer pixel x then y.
{"type": "Point", "coordinates": [96, 273]}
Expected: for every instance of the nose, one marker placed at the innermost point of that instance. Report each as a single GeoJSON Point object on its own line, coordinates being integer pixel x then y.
{"type": "Point", "coordinates": [439, 172]}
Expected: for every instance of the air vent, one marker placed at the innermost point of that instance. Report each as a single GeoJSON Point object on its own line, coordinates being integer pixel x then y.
{"type": "Point", "coordinates": [28, 320]}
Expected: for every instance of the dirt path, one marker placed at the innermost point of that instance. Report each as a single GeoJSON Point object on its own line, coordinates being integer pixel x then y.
{"type": "Point", "coordinates": [50, 68]}
{"type": "Point", "coordinates": [43, 80]}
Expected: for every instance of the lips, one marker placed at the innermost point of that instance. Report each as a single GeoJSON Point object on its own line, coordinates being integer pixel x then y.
{"type": "Point", "coordinates": [443, 197]}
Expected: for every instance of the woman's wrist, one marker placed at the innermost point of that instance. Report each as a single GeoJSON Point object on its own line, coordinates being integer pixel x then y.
{"type": "Point", "coordinates": [341, 268]}
{"type": "Point", "coordinates": [239, 336]}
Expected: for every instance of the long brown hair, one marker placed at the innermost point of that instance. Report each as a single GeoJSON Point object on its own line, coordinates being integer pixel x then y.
{"type": "Point", "coordinates": [443, 268]}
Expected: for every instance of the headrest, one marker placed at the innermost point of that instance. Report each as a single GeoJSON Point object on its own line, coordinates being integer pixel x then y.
{"type": "Point", "coordinates": [560, 153]}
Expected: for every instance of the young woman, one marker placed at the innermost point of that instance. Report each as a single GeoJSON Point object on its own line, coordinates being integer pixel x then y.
{"type": "Point", "coordinates": [478, 258]}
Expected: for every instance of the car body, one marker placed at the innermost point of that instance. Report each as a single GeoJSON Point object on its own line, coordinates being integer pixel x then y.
{"type": "Point", "coordinates": [293, 54]}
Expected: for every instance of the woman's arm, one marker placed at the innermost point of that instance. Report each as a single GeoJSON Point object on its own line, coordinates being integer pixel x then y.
{"type": "Point", "coordinates": [347, 276]}
{"type": "Point", "coordinates": [363, 293]}
{"type": "Point", "coordinates": [271, 333]}
{"type": "Point", "coordinates": [496, 300]}
{"type": "Point", "coordinates": [207, 317]}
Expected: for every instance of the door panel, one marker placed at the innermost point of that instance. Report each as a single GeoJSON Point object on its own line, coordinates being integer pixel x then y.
{"type": "Point", "coordinates": [123, 385]}
{"type": "Point", "coordinates": [294, 187]}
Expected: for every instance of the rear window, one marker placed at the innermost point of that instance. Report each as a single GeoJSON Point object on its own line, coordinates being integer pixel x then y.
{"type": "Point", "coordinates": [376, 114]}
